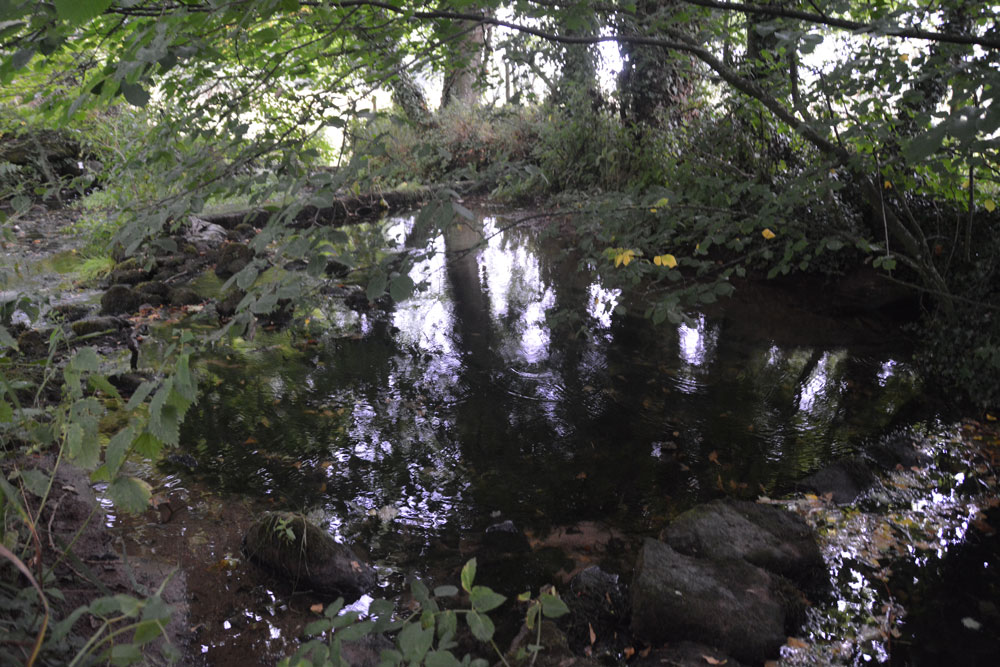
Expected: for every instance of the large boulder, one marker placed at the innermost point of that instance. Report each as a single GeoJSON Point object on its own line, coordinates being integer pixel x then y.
{"type": "Point", "coordinates": [731, 604]}
{"type": "Point", "coordinates": [294, 549]}
{"type": "Point", "coordinates": [764, 535]}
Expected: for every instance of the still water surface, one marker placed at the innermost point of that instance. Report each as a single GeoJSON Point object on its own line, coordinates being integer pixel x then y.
{"type": "Point", "coordinates": [509, 387]}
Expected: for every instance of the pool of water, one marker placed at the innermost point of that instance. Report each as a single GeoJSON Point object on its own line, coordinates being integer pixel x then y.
{"type": "Point", "coordinates": [511, 387]}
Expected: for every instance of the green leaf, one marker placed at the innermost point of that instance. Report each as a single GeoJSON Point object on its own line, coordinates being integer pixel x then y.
{"type": "Point", "coordinates": [355, 631]}
{"type": "Point", "coordinates": [469, 575]}
{"type": "Point", "coordinates": [376, 286]}
{"type": "Point", "coordinates": [140, 395]}
{"type": "Point", "coordinates": [35, 480]}
{"type": "Point", "coordinates": [148, 445]}
{"type": "Point", "coordinates": [400, 288]}
{"type": "Point", "coordinates": [156, 609]}
{"type": "Point", "coordinates": [552, 606]}
{"type": "Point", "coordinates": [441, 659]}
{"type": "Point", "coordinates": [445, 591]}
{"type": "Point", "coordinates": [414, 641]}
{"type": "Point", "coordinates": [462, 211]}
{"type": "Point", "coordinates": [6, 412]}
{"type": "Point", "coordinates": [147, 631]}
{"type": "Point", "coordinates": [184, 384]}
{"type": "Point", "coordinates": [125, 654]}
{"type": "Point", "coordinates": [484, 599]}
{"type": "Point", "coordinates": [334, 608]}
{"type": "Point", "coordinates": [317, 627]}
{"type": "Point", "coordinates": [481, 626]}
{"type": "Point", "coordinates": [6, 339]}
{"type": "Point", "coordinates": [532, 616]}
{"type": "Point", "coordinates": [117, 449]}
{"type": "Point", "coordinates": [130, 494]}
{"type": "Point", "coordinates": [447, 624]}
{"type": "Point", "coordinates": [78, 12]}
{"type": "Point", "coordinates": [135, 94]}
{"type": "Point", "coordinates": [85, 360]}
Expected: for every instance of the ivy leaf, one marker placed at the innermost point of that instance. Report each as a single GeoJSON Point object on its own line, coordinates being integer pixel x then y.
{"type": "Point", "coordinates": [78, 12]}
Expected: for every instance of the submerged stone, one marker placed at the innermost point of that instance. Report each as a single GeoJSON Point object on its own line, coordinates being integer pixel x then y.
{"type": "Point", "coordinates": [844, 481]}
{"type": "Point", "coordinates": [504, 537]}
{"type": "Point", "coordinates": [764, 535]}
{"type": "Point", "coordinates": [731, 604]}
{"type": "Point", "coordinates": [294, 549]}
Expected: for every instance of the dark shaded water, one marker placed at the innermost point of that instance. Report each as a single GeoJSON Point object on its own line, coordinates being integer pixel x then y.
{"type": "Point", "coordinates": [510, 389]}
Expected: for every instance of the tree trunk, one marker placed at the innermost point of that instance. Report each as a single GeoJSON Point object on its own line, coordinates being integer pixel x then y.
{"type": "Point", "coordinates": [461, 81]}
{"type": "Point", "coordinates": [653, 79]}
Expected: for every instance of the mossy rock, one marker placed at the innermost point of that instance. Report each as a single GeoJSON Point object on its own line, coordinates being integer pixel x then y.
{"type": "Point", "coordinates": [93, 325]}
{"type": "Point", "coordinates": [290, 547]}
{"type": "Point", "coordinates": [121, 300]}
{"type": "Point", "coordinates": [226, 306]}
{"type": "Point", "coordinates": [233, 258]}
{"type": "Point", "coordinates": [33, 344]}
{"type": "Point", "coordinates": [183, 296]}
{"type": "Point", "coordinates": [154, 287]}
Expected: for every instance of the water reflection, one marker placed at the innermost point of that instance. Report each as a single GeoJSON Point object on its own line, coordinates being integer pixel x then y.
{"type": "Point", "coordinates": [510, 388]}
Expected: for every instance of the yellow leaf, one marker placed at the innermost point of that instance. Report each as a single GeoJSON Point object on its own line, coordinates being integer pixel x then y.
{"type": "Point", "coordinates": [904, 57]}
{"type": "Point", "coordinates": [652, 210]}
{"type": "Point", "coordinates": [668, 261]}
{"type": "Point", "coordinates": [990, 418]}
{"type": "Point", "coordinates": [768, 234]}
{"type": "Point", "coordinates": [989, 205]}
{"type": "Point", "coordinates": [887, 185]}
{"type": "Point", "coordinates": [661, 202]}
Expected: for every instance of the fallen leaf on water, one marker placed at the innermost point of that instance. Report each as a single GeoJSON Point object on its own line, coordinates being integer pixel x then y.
{"type": "Point", "coordinates": [593, 635]}
{"type": "Point", "coordinates": [582, 475]}
{"type": "Point", "coordinates": [628, 651]}
{"type": "Point", "coordinates": [714, 457]}
{"type": "Point", "coordinates": [316, 608]}
{"type": "Point", "coordinates": [795, 642]}
{"type": "Point", "coordinates": [712, 661]}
